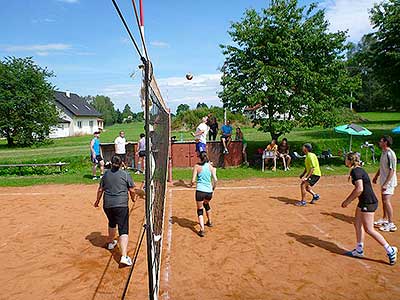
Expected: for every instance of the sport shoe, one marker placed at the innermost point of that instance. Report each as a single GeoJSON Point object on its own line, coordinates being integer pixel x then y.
{"type": "Point", "coordinates": [138, 173]}
{"type": "Point", "coordinates": [112, 245]}
{"type": "Point", "coordinates": [315, 198]}
{"type": "Point", "coordinates": [201, 233]}
{"type": "Point", "coordinates": [209, 224]}
{"type": "Point", "coordinates": [380, 222]}
{"type": "Point", "coordinates": [301, 203]}
{"type": "Point", "coordinates": [393, 256]}
{"type": "Point", "coordinates": [388, 227]}
{"type": "Point", "coordinates": [94, 178]}
{"type": "Point", "coordinates": [126, 260]}
{"type": "Point", "coordinates": [355, 253]}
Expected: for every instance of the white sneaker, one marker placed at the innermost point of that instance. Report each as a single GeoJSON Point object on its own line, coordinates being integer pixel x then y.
{"type": "Point", "coordinates": [112, 245]}
{"type": "Point", "coordinates": [126, 260]}
{"type": "Point", "coordinates": [388, 227]}
{"type": "Point", "coordinates": [138, 173]}
{"type": "Point", "coordinates": [94, 178]}
{"type": "Point", "coordinates": [380, 222]}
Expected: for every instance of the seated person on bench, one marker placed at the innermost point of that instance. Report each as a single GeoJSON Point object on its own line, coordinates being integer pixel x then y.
{"type": "Point", "coordinates": [283, 153]}
{"type": "Point", "coordinates": [270, 153]}
{"type": "Point", "coordinates": [226, 135]}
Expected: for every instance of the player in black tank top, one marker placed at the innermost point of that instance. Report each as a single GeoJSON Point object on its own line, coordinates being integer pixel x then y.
{"type": "Point", "coordinates": [368, 203]}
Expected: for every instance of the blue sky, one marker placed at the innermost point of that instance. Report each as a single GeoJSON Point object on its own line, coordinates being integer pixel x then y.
{"type": "Point", "coordinates": [85, 44]}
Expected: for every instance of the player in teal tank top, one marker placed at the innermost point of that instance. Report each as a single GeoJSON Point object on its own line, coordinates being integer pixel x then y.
{"type": "Point", "coordinates": [206, 177]}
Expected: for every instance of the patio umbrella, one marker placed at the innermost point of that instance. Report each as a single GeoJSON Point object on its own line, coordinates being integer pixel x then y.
{"type": "Point", "coordinates": [396, 130]}
{"type": "Point", "coordinates": [352, 129]}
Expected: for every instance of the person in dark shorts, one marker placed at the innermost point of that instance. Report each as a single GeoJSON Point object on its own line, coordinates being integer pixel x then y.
{"type": "Point", "coordinates": [367, 205]}
{"type": "Point", "coordinates": [96, 155]}
{"type": "Point", "coordinates": [115, 186]}
{"type": "Point", "coordinates": [310, 176]}
{"type": "Point", "coordinates": [141, 153]}
{"type": "Point", "coordinates": [206, 176]}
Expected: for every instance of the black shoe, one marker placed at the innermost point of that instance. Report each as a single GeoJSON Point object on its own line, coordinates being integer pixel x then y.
{"type": "Point", "coordinates": [209, 224]}
{"type": "Point", "coordinates": [201, 233]}
{"type": "Point", "coordinates": [315, 199]}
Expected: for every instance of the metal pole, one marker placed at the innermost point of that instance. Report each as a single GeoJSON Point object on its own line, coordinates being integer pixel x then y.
{"type": "Point", "coordinates": [351, 103]}
{"type": "Point", "coordinates": [351, 139]}
{"type": "Point", "coordinates": [148, 178]}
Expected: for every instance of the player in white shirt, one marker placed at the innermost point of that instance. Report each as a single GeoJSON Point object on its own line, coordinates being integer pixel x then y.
{"type": "Point", "coordinates": [119, 146]}
{"type": "Point", "coordinates": [388, 181]}
{"type": "Point", "coordinates": [201, 136]}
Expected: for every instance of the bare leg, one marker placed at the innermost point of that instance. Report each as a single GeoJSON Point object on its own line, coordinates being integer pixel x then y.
{"type": "Point", "coordinates": [284, 162]}
{"type": "Point", "coordinates": [309, 189]}
{"type": "Point", "coordinates": [123, 242]}
{"type": "Point", "coordinates": [201, 218]}
{"type": "Point", "coordinates": [289, 159]}
{"type": "Point", "coordinates": [224, 143]}
{"type": "Point", "coordinates": [111, 234]}
{"type": "Point", "coordinates": [368, 224]}
{"type": "Point", "coordinates": [358, 225]}
{"type": "Point", "coordinates": [303, 188]}
{"type": "Point", "coordinates": [274, 168]}
{"type": "Point", "coordinates": [102, 167]}
{"type": "Point", "coordinates": [94, 170]}
{"type": "Point", "coordinates": [387, 207]}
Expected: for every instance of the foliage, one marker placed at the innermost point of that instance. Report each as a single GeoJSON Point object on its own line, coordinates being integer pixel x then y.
{"type": "Point", "coordinates": [385, 18]}
{"type": "Point", "coordinates": [189, 119]}
{"type": "Point", "coordinates": [104, 105]}
{"type": "Point", "coordinates": [182, 108]}
{"type": "Point", "coordinates": [127, 112]}
{"type": "Point", "coordinates": [201, 105]}
{"type": "Point", "coordinates": [27, 108]}
{"type": "Point", "coordinates": [287, 68]}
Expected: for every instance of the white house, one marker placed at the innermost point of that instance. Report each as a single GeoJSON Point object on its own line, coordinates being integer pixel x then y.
{"type": "Point", "coordinates": [76, 116]}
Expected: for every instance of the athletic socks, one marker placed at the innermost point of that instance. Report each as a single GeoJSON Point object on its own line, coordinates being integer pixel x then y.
{"type": "Point", "coordinates": [389, 249]}
{"type": "Point", "coordinates": [360, 247]}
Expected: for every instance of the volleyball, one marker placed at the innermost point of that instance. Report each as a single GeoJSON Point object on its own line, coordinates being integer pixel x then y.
{"type": "Point", "coordinates": [189, 76]}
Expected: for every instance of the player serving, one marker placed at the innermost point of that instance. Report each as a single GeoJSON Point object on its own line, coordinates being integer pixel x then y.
{"type": "Point", "coordinates": [367, 205]}
{"type": "Point", "coordinates": [206, 176]}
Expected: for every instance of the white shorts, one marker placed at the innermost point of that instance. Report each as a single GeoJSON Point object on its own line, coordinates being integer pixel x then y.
{"type": "Point", "coordinates": [389, 190]}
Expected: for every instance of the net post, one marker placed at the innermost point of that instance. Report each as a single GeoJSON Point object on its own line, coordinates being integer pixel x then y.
{"type": "Point", "coordinates": [170, 149]}
{"type": "Point", "coordinates": [147, 176]}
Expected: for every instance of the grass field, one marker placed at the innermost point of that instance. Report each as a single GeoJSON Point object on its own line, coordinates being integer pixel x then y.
{"type": "Point", "coordinates": [75, 151]}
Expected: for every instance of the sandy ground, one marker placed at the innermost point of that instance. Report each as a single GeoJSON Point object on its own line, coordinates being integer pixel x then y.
{"type": "Point", "coordinates": [262, 246]}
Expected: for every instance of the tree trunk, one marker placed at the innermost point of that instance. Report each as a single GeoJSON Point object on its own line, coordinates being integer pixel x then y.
{"type": "Point", "coordinates": [10, 142]}
{"type": "Point", "coordinates": [275, 135]}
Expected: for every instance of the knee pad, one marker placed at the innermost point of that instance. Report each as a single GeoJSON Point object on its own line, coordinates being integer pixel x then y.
{"type": "Point", "coordinates": [207, 206]}
{"type": "Point", "coordinates": [200, 212]}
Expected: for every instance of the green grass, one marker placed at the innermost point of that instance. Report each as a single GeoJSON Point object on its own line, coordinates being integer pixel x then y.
{"type": "Point", "coordinates": [75, 151]}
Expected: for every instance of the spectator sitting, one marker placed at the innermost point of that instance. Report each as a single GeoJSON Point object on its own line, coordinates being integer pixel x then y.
{"type": "Point", "coordinates": [283, 152]}
{"type": "Point", "coordinates": [226, 135]}
{"type": "Point", "coordinates": [271, 153]}
{"type": "Point", "coordinates": [239, 137]}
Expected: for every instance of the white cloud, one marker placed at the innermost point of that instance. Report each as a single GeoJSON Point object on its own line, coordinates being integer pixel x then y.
{"type": "Point", "coordinates": [42, 53]}
{"type": "Point", "coordinates": [38, 48]}
{"type": "Point", "coordinates": [159, 44]}
{"type": "Point", "coordinates": [351, 15]}
{"type": "Point", "coordinates": [175, 90]}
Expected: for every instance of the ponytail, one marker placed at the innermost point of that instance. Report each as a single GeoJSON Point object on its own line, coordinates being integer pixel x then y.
{"type": "Point", "coordinates": [354, 159]}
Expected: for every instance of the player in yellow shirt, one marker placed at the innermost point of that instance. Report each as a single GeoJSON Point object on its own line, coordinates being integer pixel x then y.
{"type": "Point", "coordinates": [310, 176]}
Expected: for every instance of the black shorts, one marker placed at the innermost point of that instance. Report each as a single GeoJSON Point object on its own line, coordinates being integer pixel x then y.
{"type": "Point", "coordinates": [96, 160]}
{"type": "Point", "coordinates": [118, 216]}
{"type": "Point", "coordinates": [313, 179]}
{"type": "Point", "coordinates": [142, 153]}
{"type": "Point", "coordinates": [201, 196]}
{"type": "Point", "coordinates": [122, 157]}
{"type": "Point", "coordinates": [226, 137]}
{"type": "Point", "coordinates": [367, 207]}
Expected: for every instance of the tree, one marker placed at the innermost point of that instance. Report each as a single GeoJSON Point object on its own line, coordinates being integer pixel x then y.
{"type": "Point", "coordinates": [119, 116]}
{"type": "Point", "coordinates": [385, 18]}
{"type": "Point", "coordinates": [127, 112]}
{"type": "Point", "coordinates": [182, 108]}
{"type": "Point", "coordinates": [287, 68]}
{"type": "Point", "coordinates": [201, 105]}
{"type": "Point", "coordinates": [27, 107]}
{"type": "Point", "coordinates": [104, 105]}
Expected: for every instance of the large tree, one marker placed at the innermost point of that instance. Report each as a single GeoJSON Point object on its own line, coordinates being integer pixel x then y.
{"type": "Point", "coordinates": [286, 67]}
{"type": "Point", "coordinates": [104, 105]}
{"type": "Point", "coordinates": [27, 108]}
{"type": "Point", "coordinates": [386, 21]}
{"type": "Point", "coordinates": [182, 108]}
{"type": "Point", "coordinates": [127, 112]}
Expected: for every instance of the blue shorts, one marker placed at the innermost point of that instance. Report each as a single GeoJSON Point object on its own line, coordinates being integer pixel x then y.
{"type": "Point", "coordinates": [201, 147]}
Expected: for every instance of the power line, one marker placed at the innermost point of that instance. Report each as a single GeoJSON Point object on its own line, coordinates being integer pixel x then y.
{"type": "Point", "coordinates": [127, 29]}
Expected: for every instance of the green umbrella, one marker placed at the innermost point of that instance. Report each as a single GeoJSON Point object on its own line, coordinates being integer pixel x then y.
{"type": "Point", "coordinates": [352, 129]}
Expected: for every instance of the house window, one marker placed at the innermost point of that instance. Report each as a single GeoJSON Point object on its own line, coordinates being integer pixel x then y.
{"type": "Point", "coordinates": [79, 124]}
{"type": "Point", "coordinates": [91, 124]}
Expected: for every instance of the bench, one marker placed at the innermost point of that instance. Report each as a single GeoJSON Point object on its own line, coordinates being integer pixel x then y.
{"type": "Point", "coordinates": [20, 166]}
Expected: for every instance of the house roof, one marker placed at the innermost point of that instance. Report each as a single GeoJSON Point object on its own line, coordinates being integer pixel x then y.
{"type": "Point", "coordinates": [60, 120]}
{"type": "Point", "coordinates": [76, 105]}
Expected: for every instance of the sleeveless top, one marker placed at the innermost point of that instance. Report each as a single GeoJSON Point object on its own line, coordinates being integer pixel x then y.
{"type": "Point", "coordinates": [96, 146]}
{"type": "Point", "coordinates": [204, 179]}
